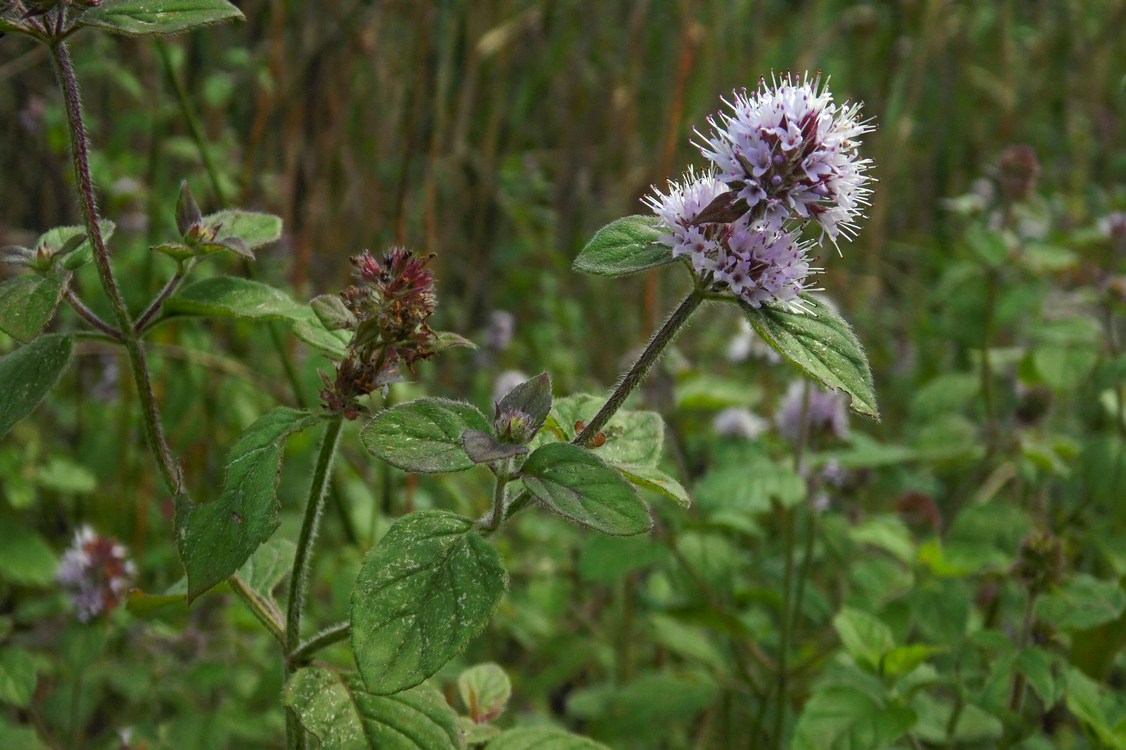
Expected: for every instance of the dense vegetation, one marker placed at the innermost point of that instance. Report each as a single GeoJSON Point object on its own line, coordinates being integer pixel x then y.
{"type": "Point", "coordinates": [949, 576]}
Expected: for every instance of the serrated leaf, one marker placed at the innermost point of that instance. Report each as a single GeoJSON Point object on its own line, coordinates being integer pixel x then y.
{"type": "Point", "coordinates": [342, 715]}
{"type": "Point", "coordinates": [444, 340]}
{"type": "Point", "coordinates": [542, 739]}
{"type": "Point", "coordinates": [231, 297]}
{"type": "Point", "coordinates": [27, 304]}
{"type": "Point", "coordinates": [752, 488]}
{"type": "Point", "coordinates": [1081, 603]}
{"type": "Point", "coordinates": [424, 435]}
{"type": "Point", "coordinates": [25, 558]}
{"type": "Point", "coordinates": [842, 718]}
{"type": "Point", "coordinates": [657, 481]}
{"type": "Point", "coordinates": [17, 677]}
{"type": "Point", "coordinates": [171, 604]}
{"type": "Point", "coordinates": [624, 246]}
{"type": "Point", "coordinates": [482, 448]}
{"type": "Point", "coordinates": [28, 374]}
{"type": "Point", "coordinates": [822, 345]}
{"type": "Point", "coordinates": [633, 438]}
{"type": "Point", "coordinates": [158, 17]}
{"type": "Point", "coordinates": [485, 690]}
{"type": "Point", "coordinates": [253, 229]}
{"type": "Point", "coordinates": [60, 238]}
{"type": "Point", "coordinates": [428, 587]}
{"type": "Point", "coordinates": [216, 538]}
{"type": "Point", "coordinates": [577, 485]}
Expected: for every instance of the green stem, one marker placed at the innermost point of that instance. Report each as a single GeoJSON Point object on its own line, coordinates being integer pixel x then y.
{"type": "Point", "coordinates": [299, 579]}
{"type": "Point", "coordinates": [154, 431]}
{"type": "Point", "coordinates": [89, 315]}
{"type": "Point", "coordinates": [1016, 697]}
{"type": "Point", "coordinates": [143, 320]}
{"type": "Point", "coordinates": [637, 372]}
{"type": "Point", "coordinates": [313, 507]}
{"type": "Point", "coordinates": [504, 475]}
{"type": "Point", "coordinates": [264, 609]}
{"type": "Point", "coordinates": [323, 639]}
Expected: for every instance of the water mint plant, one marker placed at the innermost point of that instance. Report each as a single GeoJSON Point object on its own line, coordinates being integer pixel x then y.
{"type": "Point", "coordinates": [378, 551]}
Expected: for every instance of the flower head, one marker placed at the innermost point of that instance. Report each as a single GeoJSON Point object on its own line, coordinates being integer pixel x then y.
{"type": "Point", "coordinates": [390, 305]}
{"type": "Point", "coordinates": [754, 261]}
{"type": "Point", "coordinates": [789, 152]}
{"type": "Point", "coordinates": [95, 571]}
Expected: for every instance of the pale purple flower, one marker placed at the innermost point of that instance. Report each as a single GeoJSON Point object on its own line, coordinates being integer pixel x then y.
{"type": "Point", "coordinates": [826, 414]}
{"type": "Point", "coordinates": [740, 423]}
{"type": "Point", "coordinates": [747, 344]}
{"type": "Point", "coordinates": [752, 261]}
{"type": "Point", "coordinates": [96, 572]}
{"type": "Point", "coordinates": [789, 152]}
{"type": "Point", "coordinates": [499, 332]}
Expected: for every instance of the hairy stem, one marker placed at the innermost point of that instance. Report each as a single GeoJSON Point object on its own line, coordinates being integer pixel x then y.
{"type": "Point", "coordinates": [154, 431]}
{"type": "Point", "coordinates": [323, 639]}
{"type": "Point", "coordinates": [89, 315]}
{"type": "Point", "coordinates": [313, 507]}
{"type": "Point", "coordinates": [641, 366]}
{"type": "Point", "coordinates": [265, 610]}
{"type": "Point", "coordinates": [154, 307]}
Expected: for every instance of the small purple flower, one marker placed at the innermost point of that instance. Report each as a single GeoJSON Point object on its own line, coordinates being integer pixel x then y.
{"type": "Point", "coordinates": [789, 152]}
{"type": "Point", "coordinates": [499, 332]}
{"type": "Point", "coordinates": [96, 572]}
{"type": "Point", "coordinates": [753, 261]}
{"type": "Point", "coordinates": [826, 415]}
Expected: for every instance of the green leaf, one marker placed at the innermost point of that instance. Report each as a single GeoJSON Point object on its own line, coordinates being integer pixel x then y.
{"type": "Point", "coordinates": [842, 718]}
{"type": "Point", "coordinates": [624, 246]}
{"type": "Point", "coordinates": [17, 677]}
{"type": "Point", "coordinates": [25, 558]}
{"type": "Point", "coordinates": [1081, 603]}
{"type": "Point", "coordinates": [483, 448]}
{"type": "Point", "coordinates": [1038, 667]}
{"type": "Point", "coordinates": [333, 344]}
{"type": "Point", "coordinates": [989, 245]}
{"type": "Point", "coordinates": [533, 398]}
{"type": "Point", "coordinates": [424, 435]}
{"type": "Point", "coordinates": [577, 485]}
{"type": "Point", "coordinates": [231, 297]}
{"type": "Point", "coordinates": [28, 374]}
{"type": "Point", "coordinates": [751, 488]}
{"type": "Point", "coordinates": [254, 229]}
{"type": "Point", "coordinates": [268, 566]}
{"type": "Point", "coordinates": [339, 712]}
{"type": "Point", "coordinates": [865, 637]}
{"type": "Point", "coordinates": [888, 533]}
{"type": "Point", "coordinates": [542, 739]}
{"type": "Point", "coordinates": [632, 437]}
{"type": "Point", "coordinates": [60, 238]}
{"type": "Point", "coordinates": [27, 304]}
{"type": "Point", "coordinates": [902, 659]}
{"type": "Point", "coordinates": [152, 17]}
{"type": "Point", "coordinates": [656, 481]}
{"type": "Point", "coordinates": [171, 604]}
{"type": "Point", "coordinates": [485, 690]}
{"type": "Point", "coordinates": [332, 313]}
{"type": "Point", "coordinates": [216, 538]}
{"type": "Point", "coordinates": [822, 345]}
{"type": "Point", "coordinates": [428, 587]}
{"type": "Point", "coordinates": [1097, 708]}
{"type": "Point", "coordinates": [19, 736]}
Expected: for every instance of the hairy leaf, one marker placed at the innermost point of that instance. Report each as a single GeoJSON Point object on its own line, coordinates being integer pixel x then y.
{"type": "Point", "coordinates": [424, 435]}
{"type": "Point", "coordinates": [27, 304]}
{"type": "Point", "coordinates": [577, 485]}
{"type": "Point", "coordinates": [216, 538]}
{"type": "Point", "coordinates": [28, 374]}
{"type": "Point", "coordinates": [427, 588]}
{"type": "Point", "coordinates": [822, 345]}
{"type": "Point", "coordinates": [624, 246]}
{"type": "Point", "coordinates": [339, 712]}
{"type": "Point", "coordinates": [231, 297]}
{"type": "Point", "coordinates": [541, 738]}
{"type": "Point", "coordinates": [156, 17]}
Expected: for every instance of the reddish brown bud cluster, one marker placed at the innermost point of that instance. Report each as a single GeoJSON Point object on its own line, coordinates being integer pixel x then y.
{"type": "Point", "coordinates": [391, 302]}
{"type": "Point", "coordinates": [1017, 170]}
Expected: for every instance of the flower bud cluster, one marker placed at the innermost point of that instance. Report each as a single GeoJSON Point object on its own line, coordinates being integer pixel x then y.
{"type": "Point", "coordinates": [784, 157]}
{"type": "Point", "coordinates": [95, 571]}
{"type": "Point", "coordinates": [390, 306]}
